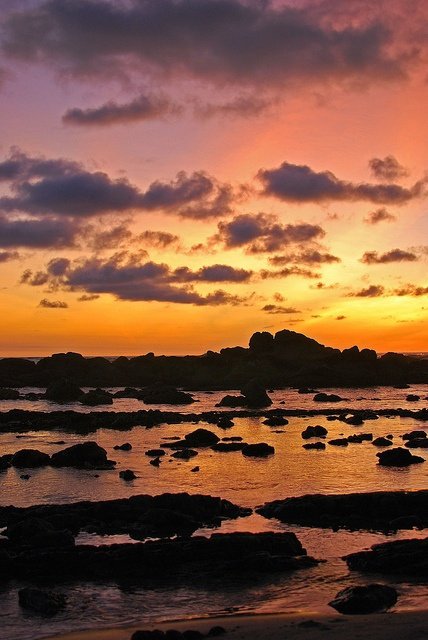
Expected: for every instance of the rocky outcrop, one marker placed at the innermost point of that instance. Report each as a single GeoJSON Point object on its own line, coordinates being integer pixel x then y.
{"type": "Point", "coordinates": [380, 510]}
{"type": "Point", "coordinates": [364, 599]}
{"type": "Point", "coordinates": [258, 450]}
{"type": "Point", "coordinates": [401, 557]}
{"type": "Point", "coordinates": [95, 397]}
{"type": "Point", "coordinates": [30, 458]}
{"type": "Point", "coordinates": [63, 390]}
{"type": "Point", "coordinates": [87, 455]}
{"type": "Point", "coordinates": [165, 394]}
{"type": "Point", "coordinates": [398, 457]}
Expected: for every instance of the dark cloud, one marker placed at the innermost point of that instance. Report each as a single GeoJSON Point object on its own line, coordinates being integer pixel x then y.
{"type": "Point", "coordinates": [88, 297]}
{"type": "Point", "coordinates": [220, 41]}
{"type": "Point", "coordinates": [286, 272]}
{"type": "Point", "coordinates": [110, 238]}
{"type": "Point", "coordinates": [144, 107]}
{"type": "Point", "coordinates": [264, 233]}
{"type": "Point", "coordinates": [310, 257]}
{"type": "Point", "coordinates": [388, 169]}
{"type": "Point", "coordinates": [38, 234]}
{"type": "Point", "coordinates": [300, 183]}
{"type": "Point", "coordinates": [322, 285]}
{"type": "Point", "coordinates": [52, 304]}
{"type": "Point", "coordinates": [41, 187]}
{"type": "Point", "coordinates": [380, 215]}
{"type": "Point", "coordinates": [275, 309]}
{"type": "Point", "coordinates": [395, 255]}
{"type": "Point", "coordinates": [372, 291]}
{"type": "Point", "coordinates": [127, 277]}
{"type": "Point", "coordinates": [242, 106]}
{"type": "Point", "coordinates": [340, 317]}
{"type": "Point", "coordinates": [7, 256]}
{"type": "Point", "coordinates": [411, 290]}
{"type": "Point", "coordinates": [157, 239]}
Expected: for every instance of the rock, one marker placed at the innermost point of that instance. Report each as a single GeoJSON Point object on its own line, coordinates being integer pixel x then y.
{"type": "Point", "coordinates": [225, 423]}
{"type": "Point", "coordinates": [306, 390]}
{"type": "Point", "coordinates": [400, 557]}
{"type": "Point", "coordinates": [216, 631]}
{"type": "Point", "coordinates": [382, 442]}
{"type": "Point", "coordinates": [123, 447]}
{"type": "Point", "coordinates": [96, 397]}
{"type": "Point", "coordinates": [38, 534]}
{"type": "Point", "coordinates": [201, 438]}
{"type": "Point", "coordinates": [165, 394]}
{"type": "Point", "coordinates": [232, 401]}
{"type": "Point", "coordinates": [414, 434]}
{"type": "Point", "coordinates": [232, 439]}
{"type": "Point", "coordinates": [87, 455]}
{"type": "Point", "coordinates": [195, 469]}
{"type": "Point", "coordinates": [412, 397]}
{"type": "Point", "coordinates": [417, 443]}
{"type": "Point", "coordinates": [255, 394]}
{"type": "Point", "coordinates": [129, 392]}
{"type": "Point", "coordinates": [63, 390]}
{"type": "Point", "coordinates": [316, 431]}
{"type": "Point", "coordinates": [355, 420]}
{"type": "Point", "coordinates": [275, 421]}
{"type": "Point", "coordinates": [146, 634]}
{"type": "Point", "coordinates": [127, 475]}
{"type": "Point", "coordinates": [314, 445]}
{"type": "Point", "coordinates": [25, 476]}
{"type": "Point", "coordinates": [155, 462]}
{"type": "Point", "coordinates": [225, 447]}
{"type": "Point", "coordinates": [9, 394]}
{"type": "Point", "coordinates": [258, 450]}
{"type": "Point", "coordinates": [163, 522]}
{"type": "Point", "coordinates": [30, 458]}
{"type": "Point", "coordinates": [44, 602]}
{"type": "Point", "coordinates": [364, 599]}
{"type": "Point", "coordinates": [5, 462]}
{"type": "Point", "coordinates": [326, 397]}
{"type": "Point", "coordinates": [398, 457]}
{"type": "Point", "coordinates": [339, 442]}
{"type": "Point", "coordinates": [154, 453]}
{"type": "Point", "coordinates": [358, 438]}
{"type": "Point", "coordinates": [184, 454]}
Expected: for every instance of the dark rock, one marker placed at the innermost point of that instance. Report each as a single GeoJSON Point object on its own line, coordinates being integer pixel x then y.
{"type": "Point", "coordinates": [201, 438]}
{"type": "Point", "coordinates": [417, 443]}
{"type": "Point", "coordinates": [398, 457]}
{"type": "Point", "coordinates": [275, 421]}
{"type": "Point", "coordinates": [414, 434]}
{"type": "Point", "coordinates": [154, 453]}
{"type": "Point", "coordinates": [123, 447]}
{"type": "Point", "coordinates": [232, 401]}
{"type": "Point", "coordinates": [127, 475]}
{"type": "Point", "coordinates": [87, 455]}
{"type": "Point", "coordinates": [5, 462]}
{"type": "Point", "coordinates": [147, 634]}
{"type": "Point", "coordinates": [38, 534]}
{"type": "Point", "coordinates": [255, 394]}
{"type": "Point", "coordinates": [258, 450]}
{"type": "Point", "coordinates": [155, 462]}
{"type": "Point", "coordinates": [163, 522]}
{"type": "Point", "coordinates": [129, 392]}
{"type": "Point", "coordinates": [232, 439]}
{"type": "Point", "coordinates": [316, 431]}
{"type": "Point", "coordinates": [216, 631]}
{"type": "Point", "coordinates": [63, 390]}
{"type": "Point", "coordinates": [30, 458]}
{"type": "Point", "coordinates": [306, 390]}
{"type": "Point", "coordinates": [327, 397]}
{"type": "Point", "coordinates": [195, 469]}
{"type": "Point", "coordinates": [364, 599]}
{"type": "Point", "coordinates": [401, 557]}
{"type": "Point", "coordinates": [96, 397]}
{"type": "Point", "coordinates": [358, 438]}
{"type": "Point", "coordinates": [355, 420]}
{"type": "Point", "coordinates": [185, 454]}
{"type": "Point", "coordinates": [314, 445]}
{"type": "Point", "coordinates": [339, 442]}
{"type": "Point", "coordinates": [225, 423]}
{"type": "Point", "coordinates": [165, 394]}
{"type": "Point", "coordinates": [228, 446]}
{"type": "Point", "coordinates": [382, 442]}
{"type": "Point", "coordinates": [25, 476]}
{"type": "Point", "coordinates": [44, 602]}
{"type": "Point", "coordinates": [412, 397]}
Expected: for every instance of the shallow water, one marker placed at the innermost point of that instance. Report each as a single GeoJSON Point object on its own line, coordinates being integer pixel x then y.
{"type": "Point", "coordinates": [249, 482]}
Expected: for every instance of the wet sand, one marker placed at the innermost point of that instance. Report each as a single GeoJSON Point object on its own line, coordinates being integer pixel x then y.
{"type": "Point", "coordinates": [382, 626]}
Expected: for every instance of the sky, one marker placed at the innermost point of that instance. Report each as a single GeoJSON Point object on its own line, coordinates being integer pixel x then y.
{"type": "Point", "coordinates": [178, 174]}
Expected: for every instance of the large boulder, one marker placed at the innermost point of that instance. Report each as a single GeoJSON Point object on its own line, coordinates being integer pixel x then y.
{"type": "Point", "coordinates": [255, 394]}
{"type": "Point", "coordinates": [63, 390]}
{"type": "Point", "coordinates": [258, 450]}
{"type": "Point", "coordinates": [30, 458]}
{"type": "Point", "coordinates": [201, 438]}
{"type": "Point", "coordinates": [87, 455]}
{"type": "Point", "coordinates": [398, 457]}
{"type": "Point", "coordinates": [316, 431]}
{"type": "Point", "coordinates": [327, 397]}
{"type": "Point", "coordinates": [364, 599]}
{"type": "Point", "coordinates": [44, 602]}
{"type": "Point", "coordinates": [165, 394]}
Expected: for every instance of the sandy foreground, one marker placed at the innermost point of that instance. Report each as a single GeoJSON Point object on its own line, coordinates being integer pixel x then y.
{"type": "Point", "coordinates": [380, 626]}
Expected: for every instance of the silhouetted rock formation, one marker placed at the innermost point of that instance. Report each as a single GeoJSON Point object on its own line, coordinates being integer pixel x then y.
{"type": "Point", "coordinates": [87, 455]}
{"type": "Point", "coordinates": [380, 510]}
{"type": "Point", "coordinates": [401, 557]}
{"type": "Point", "coordinates": [63, 390]}
{"type": "Point", "coordinates": [284, 359]}
{"type": "Point", "coordinates": [364, 599]}
{"type": "Point", "coordinates": [398, 457]}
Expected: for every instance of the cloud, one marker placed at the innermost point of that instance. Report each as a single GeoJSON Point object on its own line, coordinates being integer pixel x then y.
{"type": "Point", "coordinates": [7, 256]}
{"type": "Point", "coordinates": [142, 108]}
{"type": "Point", "coordinates": [88, 297]}
{"type": "Point", "coordinates": [241, 106]}
{"type": "Point", "coordinates": [157, 239]}
{"type": "Point", "coordinates": [340, 317]}
{"type": "Point", "coordinates": [43, 187]}
{"type": "Point", "coordinates": [127, 277]}
{"type": "Point", "coordinates": [287, 272]}
{"type": "Point", "coordinates": [395, 255]}
{"type": "Point", "coordinates": [232, 42]}
{"type": "Point", "coordinates": [310, 257]}
{"type": "Point", "coordinates": [275, 309]}
{"type": "Point", "coordinates": [372, 291]}
{"type": "Point", "coordinates": [380, 215]}
{"type": "Point", "coordinates": [299, 183]}
{"type": "Point", "coordinates": [411, 290]}
{"type": "Point", "coordinates": [37, 234]}
{"type": "Point", "coordinates": [264, 233]}
{"type": "Point", "coordinates": [110, 238]}
{"type": "Point", "coordinates": [52, 304]}
{"type": "Point", "coordinates": [388, 169]}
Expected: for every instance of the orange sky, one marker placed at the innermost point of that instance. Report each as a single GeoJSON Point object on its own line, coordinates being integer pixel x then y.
{"type": "Point", "coordinates": [354, 92]}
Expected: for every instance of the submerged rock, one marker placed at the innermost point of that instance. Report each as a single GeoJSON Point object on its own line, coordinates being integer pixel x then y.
{"type": "Point", "coordinates": [364, 599]}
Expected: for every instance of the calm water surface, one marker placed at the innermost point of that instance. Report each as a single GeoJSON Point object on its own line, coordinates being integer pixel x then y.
{"type": "Point", "coordinates": [250, 482]}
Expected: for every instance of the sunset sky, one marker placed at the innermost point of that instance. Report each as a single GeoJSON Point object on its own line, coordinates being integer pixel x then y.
{"type": "Point", "coordinates": [177, 174]}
